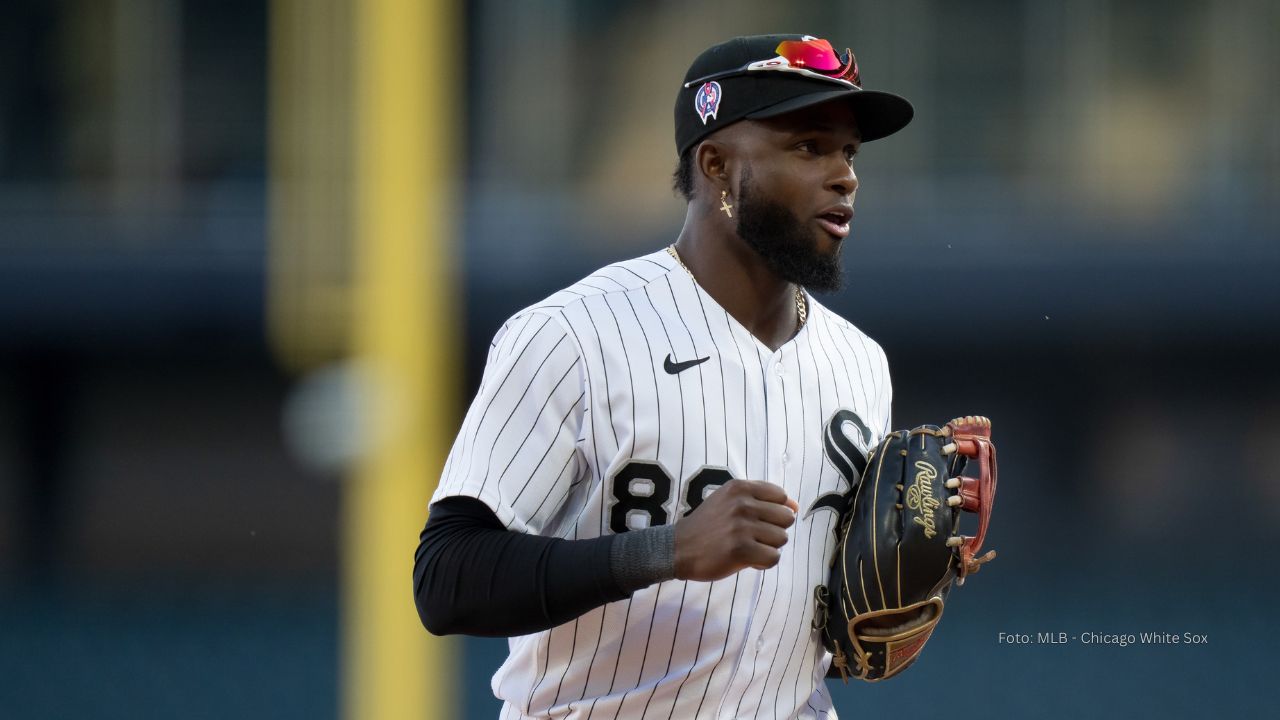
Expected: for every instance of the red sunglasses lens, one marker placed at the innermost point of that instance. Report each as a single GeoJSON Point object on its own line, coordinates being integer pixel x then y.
{"type": "Point", "coordinates": [810, 54]}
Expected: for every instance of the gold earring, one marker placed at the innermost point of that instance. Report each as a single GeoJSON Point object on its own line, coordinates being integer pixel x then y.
{"type": "Point", "coordinates": [724, 203]}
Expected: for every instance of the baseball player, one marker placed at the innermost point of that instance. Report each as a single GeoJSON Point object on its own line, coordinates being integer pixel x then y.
{"type": "Point", "coordinates": [643, 494]}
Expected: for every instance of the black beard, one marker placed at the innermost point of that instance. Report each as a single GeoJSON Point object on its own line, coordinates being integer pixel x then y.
{"type": "Point", "coordinates": [787, 246]}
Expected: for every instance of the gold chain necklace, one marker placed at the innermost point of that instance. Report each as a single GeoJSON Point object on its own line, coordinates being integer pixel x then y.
{"type": "Point", "coordinates": [801, 306]}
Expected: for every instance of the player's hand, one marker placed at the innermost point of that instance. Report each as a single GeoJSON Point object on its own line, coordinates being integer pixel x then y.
{"type": "Point", "coordinates": [740, 525]}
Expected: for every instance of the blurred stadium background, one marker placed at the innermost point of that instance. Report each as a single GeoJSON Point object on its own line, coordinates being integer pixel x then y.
{"type": "Point", "coordinates": [251, 254]}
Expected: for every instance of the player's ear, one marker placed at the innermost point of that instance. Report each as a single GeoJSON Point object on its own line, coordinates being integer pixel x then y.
{"type": "Point", "coordinates": [712, 160]}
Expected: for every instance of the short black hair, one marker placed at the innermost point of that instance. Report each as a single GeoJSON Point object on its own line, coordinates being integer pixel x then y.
{"type": "Point", "coordinates": [682, 178]}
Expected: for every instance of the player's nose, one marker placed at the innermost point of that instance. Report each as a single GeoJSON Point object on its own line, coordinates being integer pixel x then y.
{"type": "Point", "coordinates": [842, 181]}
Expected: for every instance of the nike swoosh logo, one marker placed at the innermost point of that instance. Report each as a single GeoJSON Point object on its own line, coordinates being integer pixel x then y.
{"type": "Point", "coordinates": [674, 367]}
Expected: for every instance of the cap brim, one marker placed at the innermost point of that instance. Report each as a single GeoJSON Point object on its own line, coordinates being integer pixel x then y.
{"type": "Point", "coordinates": [879, 114]}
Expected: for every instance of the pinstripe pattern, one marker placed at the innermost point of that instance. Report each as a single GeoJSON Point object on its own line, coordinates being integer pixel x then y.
{"type": "Point", "coordinates": [574, 391]}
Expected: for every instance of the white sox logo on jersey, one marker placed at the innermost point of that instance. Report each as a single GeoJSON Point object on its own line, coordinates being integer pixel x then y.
{"type": "Point", "coordinates": [846, 455]}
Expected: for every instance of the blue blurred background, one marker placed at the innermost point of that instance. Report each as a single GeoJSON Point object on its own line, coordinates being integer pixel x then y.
{"type": "Point", "coordinates": [1076, 236]}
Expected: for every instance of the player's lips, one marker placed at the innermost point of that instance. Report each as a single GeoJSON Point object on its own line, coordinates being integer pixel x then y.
{"type": "Point", "coordinates": [835, 219]}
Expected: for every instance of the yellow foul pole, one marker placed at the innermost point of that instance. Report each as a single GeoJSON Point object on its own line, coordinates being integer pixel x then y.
{"type": "Point", "coordinates": [405, 334]}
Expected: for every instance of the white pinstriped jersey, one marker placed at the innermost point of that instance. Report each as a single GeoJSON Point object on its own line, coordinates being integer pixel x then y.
{"type": "Point", "coordinates": [580, 428]}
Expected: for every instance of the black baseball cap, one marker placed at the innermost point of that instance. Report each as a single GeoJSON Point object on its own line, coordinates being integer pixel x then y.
{"type": "Point", "coordinates": [761, 76]}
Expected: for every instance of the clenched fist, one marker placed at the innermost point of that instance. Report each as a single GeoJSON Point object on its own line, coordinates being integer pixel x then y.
{"type": "Point", "coordinates": [740, 525]}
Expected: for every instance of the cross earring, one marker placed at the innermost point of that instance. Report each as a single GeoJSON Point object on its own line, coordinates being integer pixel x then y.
{"type": "Point", "coordinates": [724, 203]}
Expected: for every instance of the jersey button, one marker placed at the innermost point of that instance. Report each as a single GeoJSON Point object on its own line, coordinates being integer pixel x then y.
{"type": "Point", "coordinates": [778, 368]}
{"type": "Point", "coordinates": [759, 643]}
{"type": "Point", "coordinates": [784, 457]}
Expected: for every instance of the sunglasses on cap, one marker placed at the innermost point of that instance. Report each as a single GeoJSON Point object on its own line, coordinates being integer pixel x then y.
{"type": "Point", "coordinates": [810, 57]}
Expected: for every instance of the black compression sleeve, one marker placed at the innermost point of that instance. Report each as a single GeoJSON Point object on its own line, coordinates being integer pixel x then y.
{"type": "Point", "coordinates": [472, 576]}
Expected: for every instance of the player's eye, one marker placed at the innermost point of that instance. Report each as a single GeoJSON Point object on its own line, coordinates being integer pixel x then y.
{"type": "Point", "coordinates": [849, 154]}
{"type": "Point", "coordinates": [809, 146]}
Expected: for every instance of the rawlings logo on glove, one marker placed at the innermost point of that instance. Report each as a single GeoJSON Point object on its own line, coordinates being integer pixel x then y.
{"type": "Point", "coordinates": [898, 546]}
{"type": "Point", "coordinates": [920, 499]}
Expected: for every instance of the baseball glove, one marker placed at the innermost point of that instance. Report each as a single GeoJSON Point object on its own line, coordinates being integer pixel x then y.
{"type": "Point", "coordinates": [898, 546]}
